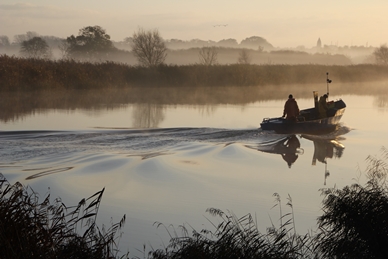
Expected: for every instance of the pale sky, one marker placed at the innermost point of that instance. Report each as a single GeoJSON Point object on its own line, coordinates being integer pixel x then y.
{"type": "Point", "coordinates": [283, 23]}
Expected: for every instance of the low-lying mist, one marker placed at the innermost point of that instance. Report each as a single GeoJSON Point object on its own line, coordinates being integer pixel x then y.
{"type": "Point", "coordinates": [17, 104]}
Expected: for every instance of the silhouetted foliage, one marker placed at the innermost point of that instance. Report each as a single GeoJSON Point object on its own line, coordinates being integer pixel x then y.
{"type": "Point", "coordinates": [208, 56]}
{"type": "Point", "coordinates": [381, 54]}
{"type": "Point", "coordinates": [92, 42]}
{"type": "Point", "coordinates": [4, 41]}
{"type": "Point", "coordinates": [149, 47]}
{"type": "Point", "coordinates": [18, 39]}
{"type": "Point", "coordinates": [244, 57]}
{"type": "Point", "coordinates": [228, 43]}
{"type": "Point", "coordinates": [255, 42]}
{"type": "Point", "coordinates": [354, 222]}
{"type": "Point", "coordinates": [35, 48]}
{"type": "Point", "coordinates": [239, 238]}
{"type": "Point", "coordinates": [33, 229]}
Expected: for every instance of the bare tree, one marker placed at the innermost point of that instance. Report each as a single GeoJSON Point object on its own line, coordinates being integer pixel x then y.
{"type": "Point", "coordinates": [147, 115]}
{"type": "Point", "coordinates": [64, 47]}
{"type": "Point", "coordinates": [128, 40]}
{"type": "Point", "coordinates": [149, 47]}
{"type": "Point", "coordinates": [18, 39]}
{"type": "Point", "coordinates": [4, 41]}
{"type": "Point", "coordinates": [244, 57]}
{"type": "Point", "coordinates": [35, 48]}
{"type": "Point", "coordinates": [208, 56]}
{"type": "Point", "coordinates": [381, 54]}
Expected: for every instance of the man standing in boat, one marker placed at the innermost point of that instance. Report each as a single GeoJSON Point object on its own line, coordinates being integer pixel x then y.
{"type": "Point", "coordinates": [291, 109]}
{"type": "Point", "coordinates": [322, 106]}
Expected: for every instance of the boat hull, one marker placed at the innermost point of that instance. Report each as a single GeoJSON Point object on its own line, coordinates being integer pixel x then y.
{"type": "Point", "coordinates": [308, 121]}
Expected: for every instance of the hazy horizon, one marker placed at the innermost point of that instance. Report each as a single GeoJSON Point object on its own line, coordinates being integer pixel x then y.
{"type": "Point", "coordinates": [282, 23]}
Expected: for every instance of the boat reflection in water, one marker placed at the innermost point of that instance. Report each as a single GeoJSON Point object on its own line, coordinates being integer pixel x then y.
{"type": "Point", "coordinates": [324, 149]}
{"type": "Point", "coordinates": [289, 147]}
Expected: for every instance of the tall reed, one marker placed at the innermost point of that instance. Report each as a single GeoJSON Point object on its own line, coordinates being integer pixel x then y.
{"type": "Point", "coordinates": [239, 238]}
{"type": "Point", "coordinates": [30, 228]}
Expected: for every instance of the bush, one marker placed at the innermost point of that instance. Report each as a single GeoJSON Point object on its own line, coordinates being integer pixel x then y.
{"type": "Point", "coordinates": [355, 219]}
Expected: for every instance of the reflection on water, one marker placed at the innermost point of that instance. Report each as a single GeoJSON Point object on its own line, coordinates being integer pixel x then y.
{"type": "Point", "coordinates": [324, 149]}
{"type": "Point", "coordinates": [19, 105]}
{"type": "Point", "coordinates": [288, 147]}
{"type": "Point", "coordinates": [172, 175]}
{"type": "Point", "coordinates": [381, 101]}
{"type": "Point", "coordinates": [325, 146]}
{"type": "Point", "coordinates": [47, 172]}
{"type": "Point", "coordinates": [192, 162]}
{"type": "Point", "coordinates": [147, 115]}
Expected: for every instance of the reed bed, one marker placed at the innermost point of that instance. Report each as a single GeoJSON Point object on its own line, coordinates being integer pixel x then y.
{"type": "Point", "coordinates": [33, 229]}
{"type": "Point", "coordinates": [239, 238]}
{"type": "Point", "coordinates": [38, 74]}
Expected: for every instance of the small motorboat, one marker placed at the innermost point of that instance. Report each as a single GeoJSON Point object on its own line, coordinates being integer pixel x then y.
{"type": "Point", "coordinates": [309, 120]}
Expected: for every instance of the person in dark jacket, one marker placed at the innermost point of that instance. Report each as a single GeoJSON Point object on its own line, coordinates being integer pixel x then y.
{"type": "Point", "coordinates": [323, 107]}
{"type": "Point", "coordinates": [291, 109]}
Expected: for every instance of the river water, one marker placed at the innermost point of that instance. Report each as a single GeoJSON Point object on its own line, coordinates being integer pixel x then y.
{"type": "Point", "coordinates": [168, 162]}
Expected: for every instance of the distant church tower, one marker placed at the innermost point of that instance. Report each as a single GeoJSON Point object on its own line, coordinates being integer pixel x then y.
{"type": "Point", "coordinates": [319, 43]}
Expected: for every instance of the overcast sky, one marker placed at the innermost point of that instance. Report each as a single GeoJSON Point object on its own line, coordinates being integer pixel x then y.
{"type": "Point", "coordinates": [284, 23]}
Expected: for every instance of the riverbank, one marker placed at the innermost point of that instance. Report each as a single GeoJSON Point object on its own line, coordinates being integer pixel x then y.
{"type": "Point", "coordinates": [19, 74]}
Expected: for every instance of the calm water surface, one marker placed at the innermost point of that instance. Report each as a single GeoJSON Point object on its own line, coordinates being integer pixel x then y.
{"type": "Point", "coordinates": [169, 163]}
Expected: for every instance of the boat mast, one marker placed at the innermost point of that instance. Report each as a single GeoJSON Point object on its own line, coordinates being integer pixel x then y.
{"type": "Point", "coordinates": [328, 81]}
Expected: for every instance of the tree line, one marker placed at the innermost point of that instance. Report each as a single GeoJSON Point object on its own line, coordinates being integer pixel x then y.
{"type": "Point", "coordinates": [94, 44]}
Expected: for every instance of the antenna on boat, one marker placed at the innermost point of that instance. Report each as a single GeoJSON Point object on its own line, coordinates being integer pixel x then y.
{"type": "Point", "coordinates": [328, 81]}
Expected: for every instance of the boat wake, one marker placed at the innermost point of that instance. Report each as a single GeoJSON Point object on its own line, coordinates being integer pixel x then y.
{"type": "Point", "coordinates": [337, 134]}
{"type": "Point", "coordinates": [41, 153]}
{"type": "Point", "coordinates": [18, 145]}
{"type": "Point", "coordinates": [29, 144]}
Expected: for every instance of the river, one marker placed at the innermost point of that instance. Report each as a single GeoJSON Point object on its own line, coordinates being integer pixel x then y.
{"type": "Point", "coordinates": [168, 162]}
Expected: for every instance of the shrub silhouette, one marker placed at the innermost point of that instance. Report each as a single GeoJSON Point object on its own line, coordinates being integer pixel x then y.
{"type": "Point", "coordinates": [354, 223]}
{"type": "Point", "coordinates": [33, 229]}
